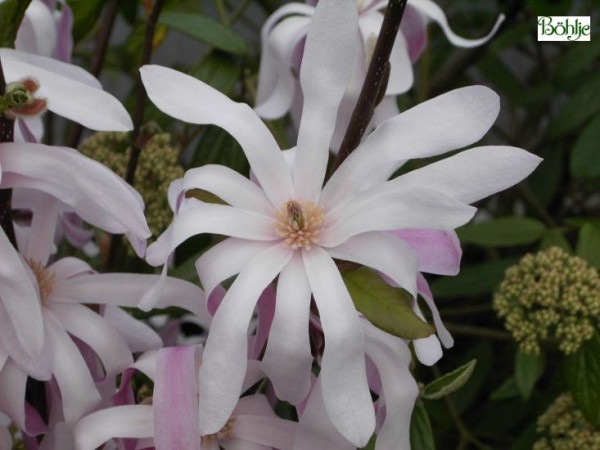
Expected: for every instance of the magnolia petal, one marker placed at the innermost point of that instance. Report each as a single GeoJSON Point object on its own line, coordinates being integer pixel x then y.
{"type": "Point", "coordinates": [37, 32]}
{"type": "Point", "coordinates": [414, 29]}
{"type": "Point", "coordinates": [434, 12]}
{"type": "Point", "coordinates": [383, 252]}
{"type": "Point", "coordinates": [20, 299]}
{"type": "Point", "coordinates": [428, 350]}
{"type": "Point", "coordinates": [43, 228]}
{"type": "Point", "coordinates": [343, 372]}
{"type": "Point", "coordinates": [452, 120]}
{"type": "Point", "coordinates": [13, 382]}
{"type": "Point", "coordinates": [175, 399]}
{"type": "Point", "coordinates": [210, 218]}
{"type": "Point", "coordinates": [131, 421]}
{"type": "Point", "coordinates": [325, 72]}
{"type": "Point", "coordinates": [225, 356]}
{"type": "Point", "coordinates": [188, 99]}
{"type": "Point", "coordinates": [442, 331]}
{"type": "Point", "coordinates": [474, 174]}
{"type": "Point", "coordinates": [387, 207]}
{"type": "Point", "coordinates": [69, 267]}
{"type": "Point", "coordinates": [288, 359]}
{"type": "Point", "coordinates": [271, 432]}
{"type": "Point", "coordinates": [138, 336]}
{"type": "Point", "coordinates": [227, 184]}
{"type": "Point", "coordinates": [438, 251]}
{"type": "Point", "coordinates": [83, 323]}
{"type": "Point", "coordinates": [77, 389]}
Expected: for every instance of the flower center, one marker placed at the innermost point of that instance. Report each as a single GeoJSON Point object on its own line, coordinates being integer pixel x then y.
{"type": "Point", "coordinates": [223, 433]}
{"type": "Point", "coordinates": [45, 280]}
{"type": "Point", "coordinates": [299, 223]}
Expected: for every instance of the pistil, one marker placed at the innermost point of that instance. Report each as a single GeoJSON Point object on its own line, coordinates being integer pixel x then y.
{"type": "Point", "coordinates": [299, 223]}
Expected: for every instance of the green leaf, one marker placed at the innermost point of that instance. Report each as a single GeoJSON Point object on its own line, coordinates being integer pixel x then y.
{"type": "Point", "coordinates": [219, 70]}
{"type": "Point", "coordinates": [580, 107]}
{"type": "Point", "coordinates": [585, 157]}
{"type": "Point", "coordinates": [421, 433]}
{"type": "Point", "coordinates": [216, 146]}
{"type": "Point", "coordinates": [578, 59]}
{"type": "Point", "coordinates": [528, 370]}
{"type": "Point", "coordinates": [473, 280]}
{"type": "Point", "coordinates": [11, 16]}
{"type": "Point", "coordinates": [503, 232]}
{"type": "Point", "coordinates": [206, 30]}
{"type": "Point", "coordinates": [554, 238]}
{"type": "Point", "coordinates": [582, 371]}
{"type": "Point", "coordinates": [450, 382]}
{"type": "Point", "coordinates": [371, 444]}
{"type": "Point", "coordinates": [588, 244]}
{"type": "Point", "coordinates": [506, 390]}
{"type": "Point", "coordinates": [85, 16]}
{"type": "Point", "coordinates": [386, 307]}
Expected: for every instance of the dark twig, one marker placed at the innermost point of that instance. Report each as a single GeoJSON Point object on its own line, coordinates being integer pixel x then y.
{"type": "Point", "coordinates": [374, 81]}
{"type": "Point", "coordinates": [101, 47]}
{"type": "Point", "coordinates": [6, 135]}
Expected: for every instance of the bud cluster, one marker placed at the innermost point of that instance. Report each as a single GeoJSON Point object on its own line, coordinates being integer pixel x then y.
{"type": "Point", "coordinates": [551, 294]}
{"type": "Point", "coordinates": [563, 427]}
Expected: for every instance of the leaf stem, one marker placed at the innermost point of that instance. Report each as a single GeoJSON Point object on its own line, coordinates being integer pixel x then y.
{"type": "Point", "coordinates": [6, 135]}
{"type": "Point", "coordinates": [374, 81]}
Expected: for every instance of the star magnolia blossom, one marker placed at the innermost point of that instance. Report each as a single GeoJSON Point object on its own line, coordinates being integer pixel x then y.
{"type": "Point", "coordinates": [293, 227]}
{"type": "Point", "coordinates": [282, 35]}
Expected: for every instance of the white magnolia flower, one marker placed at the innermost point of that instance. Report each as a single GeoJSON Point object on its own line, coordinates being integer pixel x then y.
{"type": "Point", "coordinates": [292, 227]}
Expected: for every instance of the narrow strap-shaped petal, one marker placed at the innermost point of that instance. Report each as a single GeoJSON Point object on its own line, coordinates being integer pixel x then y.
{"type": "Point", "coordinates": [175, 399]}
{"type": "Point", "coordinates": [138, 336]}
{"type": "Point", "coordinates": [37, 32]}
{"type": "Point", "coordinates": [474, 174]}
{"type": "Point", "coordinates": [211, 218]}
{"type": "Point", "coordinates": [288, 359]}
{"type": "Point", "coordinates": [325, 72]}
{"type": "Point", "coordinates": [428, 349]}
{"type": "Point", "coordinates": [188, 99]}
{"type": "Point", "coordinates": [434, 12]}
{"type": "Point", "coordinates": [227, 184]}
{"type": "Point", "coordinates": [130, 421]}
{"type": "Point", "coordinates": [83, 323]}
{"type": "Point", "coordinates": [343, 372]}
{"type": "Point", "coordinates": [383, 252]}
{"type": "Point", "coordinates": [438, 251]}
{"type": "Point", "coordinates": [12, 385]}
{"type": "Point", "coordinates": [69, 267]}
{"type": "Point", "coordinates": [272, 432]}
{"type": "Point", "coordinates": [43, 229]}
{"type": "Point", "coordinates": [390, 207]}
{"type": "Point", "coordinates": [442, 331]}
{"type": "Point", "coordinates": [20, 299]}
{"type": "Point", "coordinates": [452, 120]}
{"type": "Point", "coordinates": [225, 357]}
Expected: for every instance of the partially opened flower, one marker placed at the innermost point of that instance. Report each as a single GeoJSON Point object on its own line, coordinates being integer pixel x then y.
{"type": "Point", "coordinates": [292, 227]}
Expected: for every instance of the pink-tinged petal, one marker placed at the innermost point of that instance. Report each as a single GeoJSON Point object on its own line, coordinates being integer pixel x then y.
{"type": "Point", "coordinates": [452, 120]}
{"type": "Point", "coordinates": [211, 218]}
{"type": "Point", "coordinates": [441, 330]}
{"type": "Point", "coordinates": [83, 323]}
{"type": "Point", "coordinates": [415, 32]}
{"type": "Point", "coordinates": [325, 72]}
{"type": "Point", "coordinates": [237, 444]}
{"type": "Point", "coordinates": [75, 232]}
{"type": "Point", "coordinates": [133, 421]}
{"type": "Point", "coordinates": [389, 207]}
{"type": "Point", "coordinates": [400, 391]}
{"type": "Point", "coordinates": [175, 399]}
{"type": "Point", "coordinates": [315, 430]}
{"type": "Point", "coordinates": [343, 372]}
{"type": "Point", "coordinates": [383, 252]}
{"type": "Point", "coordinates": [138, 336]}
{"type": "Point", "coordinates": [265, 311]}
{"type": "Point", "coordinates": [77, 389]}
{"type": "Point", "coordinates": [37, 32]}
{"type": "Point", "coordinates": [64, 46]}
{"type": "Point", "coordinates": [98, 195]}
{"type": "Point", "coordinates": [34, 425]}
{"type": "Point", "coordinates": [123, 289]}
{"type": "Point", "coordinates": [428, 350]}
{"type": "Point", "coordinates": [20, 299]}
{"type": "Point", "coordinates": [12, 385]}
{"type": "Point", "coordinates": [29, 129]}
{"type": "Point", "coordinates": [438, 251]}
{"type": "Point", "coordinates": [272, 432]}
{"type": "Point", "coordinates": [256, 404]}
{"type": "Point", "coordinates": [43, 229]}
{"type": "Point", "coordinates": [288, 359]}
{"type": "Point", "coordinates": [435, 13]}
{"type": "Point", "coordinates": [474, 174]}
{"type": "Point", "coordinates": [188, 99]}
{"type": "Point", "coordinates": [68, 96]}
{"type": "Point", "coordinates": [227, 184]}
{"type": "Point", "coordinates": [275, 100]}
{"type": "Point", "coordinates": [225, 357]}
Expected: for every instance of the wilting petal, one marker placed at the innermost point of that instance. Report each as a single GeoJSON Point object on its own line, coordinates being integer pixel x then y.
{"type": "Point", "coordinates": [20, 299]}
{"type": "Point", "coordinates": [474, 174]}
{"type": "Point", "coordinates": [288, 359]}
{"type": "Point", "coordinates": [438, 251]}
{"type": "Point", "coordinates": [452, 120]}
{"type": "Point", "coordinates": [68, 92]}
{"type": "Point", "coordinates": [225, 356]}
{"type": "Point", "coordinates": [133, 421]}
{"type": "Point", "coordinates": [383, 252]}
{"type": "Point", "coordinates": [325, 72]}
{"type": "Point", "coordinates": [343, 373]}
{"type": "Point", "coordinates": [188, 99]}
{"type": "Point", "coordinates": [175, 399]}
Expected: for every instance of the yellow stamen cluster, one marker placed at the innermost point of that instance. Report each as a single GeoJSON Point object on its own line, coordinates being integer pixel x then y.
{"type": "Point", "coordinates": [563, 427]}
{"type": "Point", "coordinates": [158, 166]}
{"type": "Point", "coordinates": [299, 223]}
{"type": "Point", "coordinates": [550, 294]}
{"type": "Point", "coordinates": [223, 433]}
{"type": "Point", "coordinates": [45, 280]}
